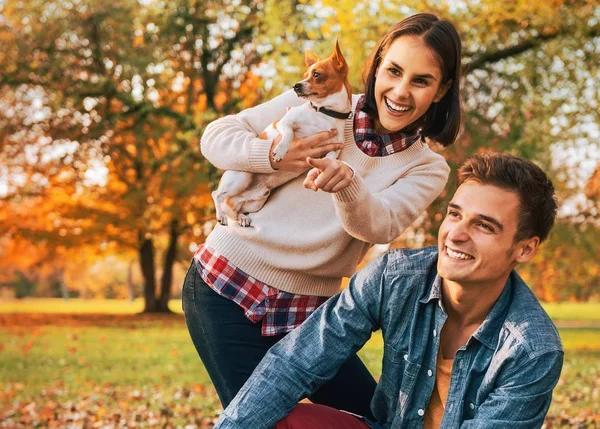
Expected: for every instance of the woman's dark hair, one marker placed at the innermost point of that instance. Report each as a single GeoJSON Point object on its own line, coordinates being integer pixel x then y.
{"type": "Point", "coordinates": [442, 119]}
{"type": "Point", "coordinates": [537, 208]}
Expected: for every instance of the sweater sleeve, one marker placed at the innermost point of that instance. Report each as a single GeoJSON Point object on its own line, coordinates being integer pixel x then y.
{"type": "Point", "coordinates": [381, 217]}
{"type": "Point", "coordinates": [232, 143]}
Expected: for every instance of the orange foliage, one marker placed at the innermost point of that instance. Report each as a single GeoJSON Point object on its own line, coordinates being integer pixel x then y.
{"type": "Point", "coordinates": [249, 89]}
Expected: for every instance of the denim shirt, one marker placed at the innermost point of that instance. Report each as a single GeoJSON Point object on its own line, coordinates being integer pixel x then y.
{"type": "Point", "coordinates": [501, 378]}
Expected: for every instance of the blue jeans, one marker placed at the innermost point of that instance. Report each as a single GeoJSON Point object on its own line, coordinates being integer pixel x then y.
{"type": "Point", "coordinates": [231, 346]}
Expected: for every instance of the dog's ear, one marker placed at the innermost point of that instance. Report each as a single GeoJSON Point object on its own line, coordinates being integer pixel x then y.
{"type": "Point", "coordinates": [338, 59]}
{"type": "Point", "coordinates": [310, 58]}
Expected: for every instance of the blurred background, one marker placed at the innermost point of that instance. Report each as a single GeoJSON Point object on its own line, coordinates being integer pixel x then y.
{"type": "Point", "coordinates": [104, 194]}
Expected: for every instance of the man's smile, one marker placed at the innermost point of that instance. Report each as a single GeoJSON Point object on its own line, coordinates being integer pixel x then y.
{"type": "Point", "coordinates": [455, 254]}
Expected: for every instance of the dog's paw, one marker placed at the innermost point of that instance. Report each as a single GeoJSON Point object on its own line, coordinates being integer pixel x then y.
{"type": "Point", "coordinates": [222, 220]}
{"type": "Point", "coordinates": [278, 155]}
{"type": "Point", "coordinates": [244, 221]}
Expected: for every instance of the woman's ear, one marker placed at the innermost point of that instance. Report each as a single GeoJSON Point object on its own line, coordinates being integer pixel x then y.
{"type": "Point", "coordinates": [442, 91]}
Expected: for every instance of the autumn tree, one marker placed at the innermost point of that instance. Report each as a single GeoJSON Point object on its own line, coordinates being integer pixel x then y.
{"type": "Point", "coordinates": [530, 78]}
{"type": "Point", "coordinates": [104, 106]}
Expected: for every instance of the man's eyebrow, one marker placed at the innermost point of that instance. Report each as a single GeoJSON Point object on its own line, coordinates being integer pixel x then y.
{"type": "Point", "coordinates": [486, 218]}
{"type": "Point", "coordinates": [492, 221]}
{"type": "Point", "coordinates": [422, 76]}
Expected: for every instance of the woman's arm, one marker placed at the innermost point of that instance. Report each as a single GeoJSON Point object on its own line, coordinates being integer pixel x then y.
{"type": "Point", "coordinates": [381, 217]}
{"type": "Point", "coordinates": [232, 143]}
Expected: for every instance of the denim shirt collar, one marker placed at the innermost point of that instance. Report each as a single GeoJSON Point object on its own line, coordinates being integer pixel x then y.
{"type": "Point", "coordinates": [488, 331]}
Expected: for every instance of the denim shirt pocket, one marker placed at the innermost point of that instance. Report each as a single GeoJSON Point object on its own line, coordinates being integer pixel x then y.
{"type": "Point", "coordinates": [398, 378]}
{"type": "Point", "coordinates": [469, 408]}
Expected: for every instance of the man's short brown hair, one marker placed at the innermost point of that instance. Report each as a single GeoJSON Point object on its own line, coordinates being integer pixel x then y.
{"type": "Point", "coordinates": [537, 208]}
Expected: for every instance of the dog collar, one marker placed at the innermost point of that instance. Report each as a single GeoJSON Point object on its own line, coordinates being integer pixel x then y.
{"type": "Point", "coordinates": [332, 113]}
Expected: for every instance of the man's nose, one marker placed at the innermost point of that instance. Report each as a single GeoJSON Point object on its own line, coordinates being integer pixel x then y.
{"type": "Point", "coordinates": [458, 232]}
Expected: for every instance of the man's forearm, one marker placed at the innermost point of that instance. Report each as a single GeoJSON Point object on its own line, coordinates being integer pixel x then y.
{"type": "Point", "coordinates": [310, 355]}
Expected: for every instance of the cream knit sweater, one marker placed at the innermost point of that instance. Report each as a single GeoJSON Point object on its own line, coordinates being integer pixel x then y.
{"type": "Point", "coordinates": [302, 241]}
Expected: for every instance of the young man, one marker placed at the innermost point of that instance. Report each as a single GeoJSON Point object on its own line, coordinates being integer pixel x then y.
{"type": "Point", "coordinates": [466, 343]}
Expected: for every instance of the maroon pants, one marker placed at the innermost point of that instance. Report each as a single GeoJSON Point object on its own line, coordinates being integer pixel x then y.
{"type": "Point", "coordinates": [313, 416]}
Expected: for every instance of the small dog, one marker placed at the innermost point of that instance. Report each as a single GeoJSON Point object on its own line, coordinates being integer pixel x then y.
{"type": "Point", "coordinates": [329, 103]}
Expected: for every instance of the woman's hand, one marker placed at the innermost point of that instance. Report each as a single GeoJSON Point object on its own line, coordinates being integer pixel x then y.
{"type": "Point", "coordinates": [329, 175]}
{"type": "Point", "coordinates": [301, 149]}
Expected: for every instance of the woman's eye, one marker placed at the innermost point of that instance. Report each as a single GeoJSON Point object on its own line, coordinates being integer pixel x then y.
{"type": "Point", "coordinates": [452, 213]}
{"type": "Point", "coordinates": [394, 72]}
{"type": "Point", "coordinates": [420, 81]}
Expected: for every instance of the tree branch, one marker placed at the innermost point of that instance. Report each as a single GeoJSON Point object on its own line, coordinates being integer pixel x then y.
{"type": "Point", "coordinates": [491, 57]}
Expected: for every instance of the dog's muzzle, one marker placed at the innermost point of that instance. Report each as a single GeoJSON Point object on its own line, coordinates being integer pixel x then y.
{"type": "Point", "coordinates": [299, 88]}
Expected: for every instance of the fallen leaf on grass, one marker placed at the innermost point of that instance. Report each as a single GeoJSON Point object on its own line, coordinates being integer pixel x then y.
{"type": "Point", "coordinates": [115, 407]}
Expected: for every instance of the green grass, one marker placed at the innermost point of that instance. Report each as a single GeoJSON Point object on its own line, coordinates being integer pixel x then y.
{"type": "Point", "coordinates": [573, 311]}
{"type": "Point", "coordinates": [141, 368]}
{"type": "Point", "coordinates": [78, 306]}
{"type": "Point", "coordinates": [130, 364]}
{"type": "Point", "coordinates": [580, 312]}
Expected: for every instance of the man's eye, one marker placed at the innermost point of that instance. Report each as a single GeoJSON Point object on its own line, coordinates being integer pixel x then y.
{"type": "Point", "coordinates": [486, 227]}
{"type": "Point", "coordinates": [452, 213]}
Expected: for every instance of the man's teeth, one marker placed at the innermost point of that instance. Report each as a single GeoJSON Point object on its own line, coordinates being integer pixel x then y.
{"type": "Point", "coordinates": [396, 107]}
{"type": "Point", "coordinates": [457, 255]}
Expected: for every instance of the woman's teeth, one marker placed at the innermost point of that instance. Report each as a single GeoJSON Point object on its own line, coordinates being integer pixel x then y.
{"type": "Point", "coordinates": [396, 107]}
{"type": "Point", "coordinates": [457, 255]}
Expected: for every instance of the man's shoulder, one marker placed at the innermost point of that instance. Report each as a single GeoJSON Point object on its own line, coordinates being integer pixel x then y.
{"type": "Point", "coordinates": [528, 324]}
{"type": "Point", "coordinates": [413, 269]}
{"type": "Point", "coordinates": [410, 261]}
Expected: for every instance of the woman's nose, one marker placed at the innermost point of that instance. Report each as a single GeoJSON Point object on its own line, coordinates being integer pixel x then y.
{"type": "Point", "coordinates": [402, 90]}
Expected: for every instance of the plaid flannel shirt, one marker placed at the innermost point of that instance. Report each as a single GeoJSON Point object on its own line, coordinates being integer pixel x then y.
{"type": "Point", "coordinates": [279, 311]}
{"type": "Point", "coordinates": [374, 144]}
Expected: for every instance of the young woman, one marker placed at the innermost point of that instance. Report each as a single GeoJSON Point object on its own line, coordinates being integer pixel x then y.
{"type": "Point", "coordinates": [248, 287]}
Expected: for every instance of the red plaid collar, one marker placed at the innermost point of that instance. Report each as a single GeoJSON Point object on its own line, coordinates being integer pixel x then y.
{"type": "Point", "coordinates": [279, 311]}
{"type": "Point", "coordinates": [374, 144]}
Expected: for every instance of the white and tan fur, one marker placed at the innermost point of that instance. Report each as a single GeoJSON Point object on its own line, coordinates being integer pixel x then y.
{"type": "Point", "coordinates": [326, 85]}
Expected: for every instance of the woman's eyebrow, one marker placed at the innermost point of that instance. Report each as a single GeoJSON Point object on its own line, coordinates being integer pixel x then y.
{"type": "Point", "coordinates": [422, 76]}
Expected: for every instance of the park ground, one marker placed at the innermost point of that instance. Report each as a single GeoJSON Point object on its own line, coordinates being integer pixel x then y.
{"type": "Point", "coordinates": [99, 364]}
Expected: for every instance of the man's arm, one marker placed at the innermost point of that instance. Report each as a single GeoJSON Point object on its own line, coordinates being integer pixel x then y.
{"type": "Point", "coordinates": [522, 397]}
{"type": "Point", "coordinates": [310, 355]}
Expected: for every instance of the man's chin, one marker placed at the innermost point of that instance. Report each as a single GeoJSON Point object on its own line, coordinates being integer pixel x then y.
{"type": "Point", "coordinates": [452, 274]}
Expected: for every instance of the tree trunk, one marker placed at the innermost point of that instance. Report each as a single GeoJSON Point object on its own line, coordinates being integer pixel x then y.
{"type": "Point", "coordinates": [167, 275]}
{"type": "Point", "coordinates": [64, 291]}
{"type": "Point", "coordinates": [146, 254]}
{"type": "Point", "coordinates": [130, 286]}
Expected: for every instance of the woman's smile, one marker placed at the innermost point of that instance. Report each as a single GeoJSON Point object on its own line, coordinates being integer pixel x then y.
{"type": "Point", "coordinates": [396, 107]}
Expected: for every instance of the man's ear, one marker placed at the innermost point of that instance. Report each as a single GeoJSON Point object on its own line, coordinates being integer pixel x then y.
{"type": "Point", "coordinates": [309, 58]}
{"type": "Point", "coordinates": [526, 249]}
{"type": "Point", "coordinates": [442, 91]}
